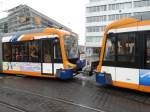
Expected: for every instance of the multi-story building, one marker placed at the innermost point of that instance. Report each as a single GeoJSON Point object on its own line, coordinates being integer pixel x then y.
{"type": "Point", "coordinates": [24, 17]}
{"type": "Point", "coordinates": [99, 13]}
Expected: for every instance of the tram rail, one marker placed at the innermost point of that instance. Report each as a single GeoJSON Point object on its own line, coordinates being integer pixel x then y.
{"type": "Point", "coordinates": [47, 97]}
{"type": "Point", "coordinates": [12, 107]}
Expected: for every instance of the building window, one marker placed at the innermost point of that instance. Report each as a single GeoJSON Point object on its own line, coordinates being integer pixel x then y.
{"type": "Point", "coordinates": [89, 39]}
{"type": "Point", "coordinates": [97, 38]}
{"type": "Point", "coordinates": [119, 6]}
{"type": "Point", "coordinates": [140, 13]}
{"type": "Point", "coordinates": [96, 8]}
{"type": "Point", "coordinates": [96, 50]}
{"type": "Point", "coordinates": [5, 27]}
{"type": "Point", "coordinates": [112, 7]}
{"type": "Point", "coordinates": [93, 39]}
{"type": "Point", "coordinates": [95, 29]}
{"type": "Point", "coordinates": [142, 3]}
{"type": "Point", "coordinates": [96, 19]}
{"type": "Point", "coordinates": [112, 17]}
{"type": "Point", "coordinates": [118, 16]}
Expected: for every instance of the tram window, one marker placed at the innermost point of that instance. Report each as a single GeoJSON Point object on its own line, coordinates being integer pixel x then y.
{"type": "Point", "coordinates": [110, 49]}
{"type": "Point", "coordinates": [20, 52]}
{"type": "Point", "coordinates": [46, 51]}
{"type": "Point", "coordinates": [57, 52]}
{"type": "Point", "coordinates": [126, 47]}
{"type": "Point", "coordinates": [34, 51]}
{"type": "Point", "coordinates": [148, 51]}
{"type": "Point", "coordinates": [7, 53]}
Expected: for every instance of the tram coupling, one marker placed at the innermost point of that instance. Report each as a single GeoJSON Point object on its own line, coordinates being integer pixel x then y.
{"type": "Point", "coordinates": [65, 74]}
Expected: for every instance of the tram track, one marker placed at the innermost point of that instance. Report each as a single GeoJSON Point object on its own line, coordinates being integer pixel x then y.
{"type": "Point", "coordinates": [69, 102]}
{"type": "Point", "coordinates": [12, 107]}
{"type": "Point", "coordinates": [129, 94]}
{"type": "Point", "coordinates": [100, 95]}
{"type": "Point", "coordinates": [47, 97]}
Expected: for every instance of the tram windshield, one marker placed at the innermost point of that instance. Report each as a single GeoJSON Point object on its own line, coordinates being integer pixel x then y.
{"type": "Point", "coordinates": [71, 46]}
{"type": "Point", "coordinates": [110, 49]}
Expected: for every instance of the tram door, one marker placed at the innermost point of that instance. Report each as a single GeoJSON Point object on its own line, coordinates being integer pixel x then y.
{"type": "Point", "coordinates": [127, 59]}
{"type": "Point", "coordinates": [47, 53]}
{"type": "Point", "coordinates": [51, 56]}
{"type": "Point", "coordinates": [145, 73]}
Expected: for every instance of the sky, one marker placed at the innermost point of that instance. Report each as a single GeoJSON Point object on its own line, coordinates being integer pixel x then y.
{"type": "Point", "coordinates": [70, 13]}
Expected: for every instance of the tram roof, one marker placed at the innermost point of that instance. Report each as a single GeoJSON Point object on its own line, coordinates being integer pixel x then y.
{"type": "Point", "coordinates": [34, 33]}
{"type": "Point", "coordinates": [142, 19]}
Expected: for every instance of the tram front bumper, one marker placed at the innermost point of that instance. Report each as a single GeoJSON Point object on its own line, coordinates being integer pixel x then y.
{"type": "Point", "coordinates": [100, 78]}
{"type": "Point", "coordinates": [103, 78]}
{"type": "Point", "coordinates": [64, 74]}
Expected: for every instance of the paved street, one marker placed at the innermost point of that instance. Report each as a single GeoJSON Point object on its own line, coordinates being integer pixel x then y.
{"type": "Point", "coordinates": [81, 94]}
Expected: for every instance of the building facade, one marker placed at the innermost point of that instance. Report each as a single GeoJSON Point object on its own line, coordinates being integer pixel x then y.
{"type": "Point", "coordinates": [99, 13]}
{"type": "Point", "coordinates": [23, 17]}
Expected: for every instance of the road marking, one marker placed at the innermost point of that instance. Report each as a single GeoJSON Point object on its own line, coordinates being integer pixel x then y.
{"type": "Point", "coordinates": [56, 99]}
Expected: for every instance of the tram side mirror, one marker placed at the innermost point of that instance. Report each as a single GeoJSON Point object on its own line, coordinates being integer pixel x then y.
{"type": "Point", "coordinates": [111, 35]}
{"type": "Point", "coordinates": [79, 53]}
{"type": "Point", "coordinates": [56, 40]}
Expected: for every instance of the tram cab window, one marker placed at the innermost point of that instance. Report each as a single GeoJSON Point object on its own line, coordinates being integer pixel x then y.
{"type": "Point", "coordinates": [126, 47]}
{"type": "Point", "coordinates": [110, 49]}
{"type": "Point", "coordinates": [7, 52]}
{"type": "Point", "coordinates": [71, 46]}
